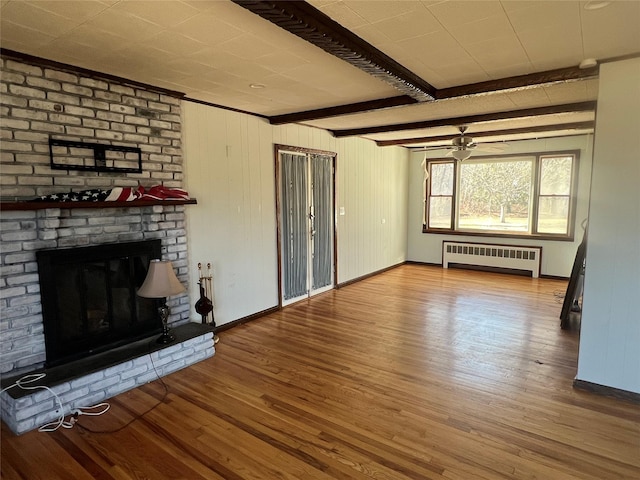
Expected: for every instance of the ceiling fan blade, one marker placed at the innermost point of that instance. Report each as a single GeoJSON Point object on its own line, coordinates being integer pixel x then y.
{"type": "Point", "coordinates": [491, 147]}
{"type": "Point", "coordinates": [426, 149]}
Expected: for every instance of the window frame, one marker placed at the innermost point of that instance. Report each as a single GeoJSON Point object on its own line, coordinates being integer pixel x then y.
{"type": "Point", "coordinates": [452, 196]}
{"type": "Point", "coordinates": [535, 197]}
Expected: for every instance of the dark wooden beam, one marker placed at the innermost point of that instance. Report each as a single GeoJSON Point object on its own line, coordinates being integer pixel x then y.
{"type": "Point", "coordinates": [484, 117]}
{"type": "Point", "coordinates": [310, 24]}
{"type": "Point", "coordinates": [223, 107]}
{"type": "Point", "coordinates": [520, 82]}
{"type": "Point", "coordinates": [359, 107]}
{"type": "Point", "coordinates": [492, 133]}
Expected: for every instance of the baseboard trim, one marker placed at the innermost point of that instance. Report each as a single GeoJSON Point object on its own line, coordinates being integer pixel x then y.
{"type": "Point", "coordinates": [429, 264]}
{"type": "Point", "coordinates": [607, 391]}
{"type": "Point", "coordinates": [246, 319]}
{"type": "Point", "coordinates": [511, 271]}
{"type": "Point", "coordinates": [368, 275]}
{"type": "Point", "coordinates": [554, 277]}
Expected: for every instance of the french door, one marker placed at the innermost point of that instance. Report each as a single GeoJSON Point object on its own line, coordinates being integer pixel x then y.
{"type": "Point", "coordinates": [306, 224]}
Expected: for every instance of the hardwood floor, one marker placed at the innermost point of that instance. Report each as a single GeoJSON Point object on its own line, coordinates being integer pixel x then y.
{"type": "Point", "coordinates": [417, 373]}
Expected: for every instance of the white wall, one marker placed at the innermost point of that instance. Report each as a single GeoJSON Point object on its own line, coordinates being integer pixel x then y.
{"type": "Point", "coordinates": [610, 334]}
{"type": "Point", "coordinates": [557, 257]}
{"type": "Point", "coordinates": [229, 160]}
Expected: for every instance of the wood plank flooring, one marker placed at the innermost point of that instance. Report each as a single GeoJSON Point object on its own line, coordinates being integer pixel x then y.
{"type": "Point", "coordinates": [417, 373]}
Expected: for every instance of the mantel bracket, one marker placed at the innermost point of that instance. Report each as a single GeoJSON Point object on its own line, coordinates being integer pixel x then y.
{"type": "Point", "coordinates": [94, 157]}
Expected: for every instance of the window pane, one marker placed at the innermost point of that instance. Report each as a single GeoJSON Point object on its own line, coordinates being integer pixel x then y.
{"type": "Point", "coordinates": [553, 214]}
{"type": "Point", "coordinates": [440, 212]}
{"type": "Point", "coordinates": [495, 195]}
{"type": "Point", "coordinates": [555, 175]}
{"type": "Point", "coordinates": [441, 179]}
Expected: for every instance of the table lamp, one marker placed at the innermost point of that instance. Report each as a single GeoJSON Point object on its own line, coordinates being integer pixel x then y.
{"type": "Point", "coordinates": [161, 282]}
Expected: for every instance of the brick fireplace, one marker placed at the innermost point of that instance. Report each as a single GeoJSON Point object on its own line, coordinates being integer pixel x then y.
{"type": "Point", "coordinates": [40, 102]}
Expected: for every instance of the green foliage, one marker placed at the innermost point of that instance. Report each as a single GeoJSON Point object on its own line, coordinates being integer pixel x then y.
{"type": "Point", "coordinates": [490, 187]}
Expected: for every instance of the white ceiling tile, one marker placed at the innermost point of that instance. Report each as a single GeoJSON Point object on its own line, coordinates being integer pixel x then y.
{"type": "Point", "coordinates": [568, 92]}
{"type": "Point", "coordinates": [379, 9]}
{"type": "Point", "coordinates": [375, 36]}
{"type": "Point", "coordinates": [542, 14]}
{"type": "Point", "coordinates": [435, 49]}
{"type": "Point", "coordinates": [174, 43]}
{"type": "Point", "coordinates": [498, 52]}
{"type": "Point", "coordinates": [564, 43]}
{"type": "Point", "coordinates": [121, 24]}
{"type": "Point", "coordinates": [19, 37]}
{"type": "Point", "coordinates": [277, 62]}
{"type": "Point", "coordinates": [29, 15]}
{"type": "Point", "coordinates": [212, 56]}
{"type": "Point", "coordinates": [339, 10]}
{"type": "Point", "coordinates": [513, 6]}
{"type": "Point", "coordinates": [75, 10]}
{"type": "Point", "coordinates": [455, 14]}
{"type": "Point", "coordinates": [529, 98]}
{"type": "Point", "coordinates": [463, 73]}
{"type": "Point", "coordinates": [612, 31]}
{"type": "Point", "coordinates": [165, 13]}
{"type": "Point", "coordinates": [203, 83]}
{"type": "Point", "coordinates": [207, 28]}
{"type": "Point", "coordinates": [489, 28]}
{"type": "Point", "coordinates": [252, 72]}
{"type": "Point", "coordinates": [99, 40]}
{"type": "Point", "coordinates": [410, 24]}
{"type": "Point", "coordinates": [513, 70]}
{"type": "Point", "coordinates": [185, 66]}
{"type": "Point", "coordinates": [592, 88]}
{"type": "Point", "coordinates": [247, 46]}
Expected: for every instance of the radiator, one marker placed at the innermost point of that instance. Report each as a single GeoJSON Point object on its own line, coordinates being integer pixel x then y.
{"type": "Point", "coordinates": [513, 257]}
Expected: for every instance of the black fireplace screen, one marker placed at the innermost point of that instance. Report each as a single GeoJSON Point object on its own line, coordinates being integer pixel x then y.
{"type": "Point", "coordinates": [89, 301]}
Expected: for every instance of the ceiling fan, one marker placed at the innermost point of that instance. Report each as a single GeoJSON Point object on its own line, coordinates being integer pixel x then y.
{"type": "Point", "coordinates": [462, 146]}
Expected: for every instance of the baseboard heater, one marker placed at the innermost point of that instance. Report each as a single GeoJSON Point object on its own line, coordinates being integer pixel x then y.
{"type": "Point", "coordinates": [509, 257]}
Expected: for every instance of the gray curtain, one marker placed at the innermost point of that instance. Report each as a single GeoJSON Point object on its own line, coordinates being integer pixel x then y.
{"type": "Point", "coordinates": [293, 185]}
{"type": "Point", "coordinates": [323, 219]}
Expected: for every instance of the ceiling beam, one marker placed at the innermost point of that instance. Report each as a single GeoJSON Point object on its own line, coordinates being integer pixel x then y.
{"type": "Point", "coordinates": [492, 133]}
{"type": "Point", "coordinates": [517, 83]}
{"type": "Point", "coordinates": [484, 117]}
{"type": "Point", "coordinates": [520, 82]}
{"type": "Point", "coordinates": [360, 107]}
{"type": "Point", "coordinates": [310, 24]}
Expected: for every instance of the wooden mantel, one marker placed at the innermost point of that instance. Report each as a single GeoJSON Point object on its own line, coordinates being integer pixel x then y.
{"type": "Point", "coordinates": [9, 206]}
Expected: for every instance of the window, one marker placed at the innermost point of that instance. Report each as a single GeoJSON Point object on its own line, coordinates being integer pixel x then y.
{"type": "Point", "coordinates": [520, 195]}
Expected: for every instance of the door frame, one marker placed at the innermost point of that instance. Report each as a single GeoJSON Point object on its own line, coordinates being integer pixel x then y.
{"type": "Point", "coordinates": [278, 148]}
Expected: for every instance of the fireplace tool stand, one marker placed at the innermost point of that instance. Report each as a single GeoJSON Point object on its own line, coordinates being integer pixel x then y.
{"type": "Point", "coordinates": [204, 305]}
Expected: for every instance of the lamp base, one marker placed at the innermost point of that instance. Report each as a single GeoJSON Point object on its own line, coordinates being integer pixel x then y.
{"type": "Point", "coordinates": [165, 338]}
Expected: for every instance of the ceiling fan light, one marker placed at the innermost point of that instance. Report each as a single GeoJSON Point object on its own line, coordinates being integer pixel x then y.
{"type": "Point", "coordinates": [461, 154]}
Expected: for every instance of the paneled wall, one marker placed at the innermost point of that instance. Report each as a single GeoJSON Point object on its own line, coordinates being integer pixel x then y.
{"type": "Point", "coordinates": [610, 335]}
{"type": "Point", "coordinates": [557, 257]}
{"type": "Point", "coordinates": [230, 169]}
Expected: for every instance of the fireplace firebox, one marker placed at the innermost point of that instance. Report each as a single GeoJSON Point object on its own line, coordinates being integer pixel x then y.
{"type": "Point", "coordinates": [89, 301]}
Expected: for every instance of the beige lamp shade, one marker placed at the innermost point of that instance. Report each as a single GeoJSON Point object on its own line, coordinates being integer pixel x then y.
{"type": "Point", "coordinates": [161, 281]}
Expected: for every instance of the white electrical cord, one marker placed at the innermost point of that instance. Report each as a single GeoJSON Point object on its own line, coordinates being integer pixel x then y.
{"type": "Point", "coordinates": [24, 382]}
